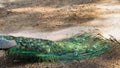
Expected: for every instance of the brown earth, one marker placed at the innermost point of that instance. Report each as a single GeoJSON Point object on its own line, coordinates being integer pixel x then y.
{"type": "Point", "coordinates": [47, 15]}
{"type": "Point", "coordinates": [40, 15]}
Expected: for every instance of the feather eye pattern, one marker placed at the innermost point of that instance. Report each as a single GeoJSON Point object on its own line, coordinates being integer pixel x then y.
{"type": "Point", "coordinates": [74, 48]}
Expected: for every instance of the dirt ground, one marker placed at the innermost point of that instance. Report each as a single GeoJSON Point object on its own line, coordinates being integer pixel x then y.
{"type": "Point", "coordinates": [47, 15]}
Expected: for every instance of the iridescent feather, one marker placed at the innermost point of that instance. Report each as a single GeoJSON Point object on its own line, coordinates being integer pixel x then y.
{"type": "Point", "coordinates": [74, 48]}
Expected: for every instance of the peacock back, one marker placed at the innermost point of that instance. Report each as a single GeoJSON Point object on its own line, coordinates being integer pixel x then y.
{"type": "Point", "coordinates": [74, 48]}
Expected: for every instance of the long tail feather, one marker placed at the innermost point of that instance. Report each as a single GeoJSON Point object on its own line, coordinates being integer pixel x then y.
{"type": "Point", "coordinates": [75, 48]}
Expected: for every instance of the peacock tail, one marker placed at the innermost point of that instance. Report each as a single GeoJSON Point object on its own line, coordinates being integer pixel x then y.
{"type": "Point", "coordinates": [74, 48]}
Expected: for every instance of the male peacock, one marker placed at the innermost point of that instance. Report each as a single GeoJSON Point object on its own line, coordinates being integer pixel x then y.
{"type": "Point", "coordinates": [75, 48]}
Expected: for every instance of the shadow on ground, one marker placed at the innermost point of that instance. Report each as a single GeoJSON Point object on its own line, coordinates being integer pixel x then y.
{"type": "Point", "coordinates": [74, 64]}
{"type": "Point", "coordinates": [48, 3]}
{"type": "Point", "coordinates": [40, 20]}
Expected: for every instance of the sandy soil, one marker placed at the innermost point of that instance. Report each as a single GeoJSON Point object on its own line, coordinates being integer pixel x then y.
{"type": "Point", "coordinates": [40, 15]}
{"type": "Point", "coordinates": [61, 19]}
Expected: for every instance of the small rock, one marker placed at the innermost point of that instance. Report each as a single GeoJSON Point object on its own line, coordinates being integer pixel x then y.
{"type": "Point", "coordinates": [5, 44]}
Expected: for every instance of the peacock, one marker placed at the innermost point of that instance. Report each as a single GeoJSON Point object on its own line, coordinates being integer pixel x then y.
{"type": "Point", "coordinates": [75, 48]}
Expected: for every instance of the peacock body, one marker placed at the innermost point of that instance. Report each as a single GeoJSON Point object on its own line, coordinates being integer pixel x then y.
{"type": "Point", "coordinates": [74, 48]}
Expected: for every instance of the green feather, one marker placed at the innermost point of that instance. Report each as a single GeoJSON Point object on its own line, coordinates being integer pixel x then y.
{"type": "Point", "coordinates": [74, 48]}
